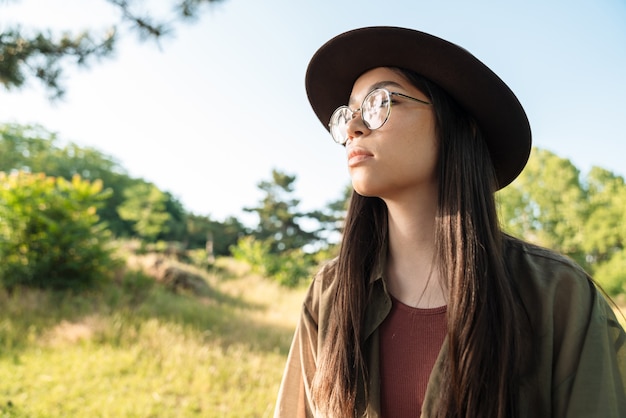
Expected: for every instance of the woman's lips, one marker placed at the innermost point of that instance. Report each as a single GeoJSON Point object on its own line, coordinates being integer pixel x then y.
{"type": "Point", "coordinates": [356, 156]}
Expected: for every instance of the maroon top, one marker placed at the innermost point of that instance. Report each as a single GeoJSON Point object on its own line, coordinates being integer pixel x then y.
{"type": "Point", "coordinates": [410, 341]}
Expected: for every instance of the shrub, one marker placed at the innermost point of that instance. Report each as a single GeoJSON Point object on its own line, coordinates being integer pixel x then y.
{"type": "Point", "coordinates": [288, 268]}
{"type": "Point", "coordinates": [50, 234]}
{"type": "Point", "coordinates": [611, 275]}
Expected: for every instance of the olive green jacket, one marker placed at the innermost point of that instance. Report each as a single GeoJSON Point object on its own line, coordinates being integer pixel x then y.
{"type": "Point", "coordinates": [579, 346]}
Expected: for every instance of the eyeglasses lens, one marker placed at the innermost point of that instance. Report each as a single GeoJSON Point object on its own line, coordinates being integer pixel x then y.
{"type": "Point", "coordinates": [375, 108]}
{"type": "Point", "coordinates": [339, 124]}
{"type": "Point", "coordinates": [374, 112]}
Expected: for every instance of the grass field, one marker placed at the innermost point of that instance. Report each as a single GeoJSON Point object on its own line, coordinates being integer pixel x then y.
{"type": "Point", "coordinates": [136, 349]}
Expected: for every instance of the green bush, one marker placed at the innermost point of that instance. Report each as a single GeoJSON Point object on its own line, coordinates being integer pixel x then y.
{"type": "Point", "coordinates": [252, 252]}
{"type": "Point", "coordinates": [50, 233]}
{"type": "Point", "coordinates": [611, 275]}
{"type": "Point", "coordinates": [288, 268]}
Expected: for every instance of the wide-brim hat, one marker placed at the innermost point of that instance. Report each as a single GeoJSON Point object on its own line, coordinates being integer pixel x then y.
{"type": "Point", "coordinates": [339, 62]}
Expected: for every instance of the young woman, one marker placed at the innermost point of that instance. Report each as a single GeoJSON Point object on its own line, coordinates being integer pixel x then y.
{"type": "Point", "coordinates": [430, 309]}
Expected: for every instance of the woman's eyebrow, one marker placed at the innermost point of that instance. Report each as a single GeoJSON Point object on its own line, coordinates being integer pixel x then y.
{"type": "Point", "coordinates": [378, 85]}
{"type": "Point", "coordinates": [383, 84]}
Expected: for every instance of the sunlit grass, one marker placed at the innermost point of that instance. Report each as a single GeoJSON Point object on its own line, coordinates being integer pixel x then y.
{"type": "Point", "coordinates": [135, 349]}
{"type": "Point", "coordinates": [164, 374]}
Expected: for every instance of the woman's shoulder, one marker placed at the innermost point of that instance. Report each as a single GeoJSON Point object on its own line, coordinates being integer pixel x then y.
{"type": "Point", "coordinates": [554, 289]}
{"type": "Point", "coordinates": [320, 293]}
{"type": "Point", "coordinates": [546, 280]}
{"type": "Point", "coordinates": [325, 277]}
{"type": "Point", "coordinates": [526, 260]}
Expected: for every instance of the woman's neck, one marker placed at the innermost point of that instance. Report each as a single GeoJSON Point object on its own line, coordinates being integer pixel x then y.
{"type": "Point", "coordinates": [411, 272]}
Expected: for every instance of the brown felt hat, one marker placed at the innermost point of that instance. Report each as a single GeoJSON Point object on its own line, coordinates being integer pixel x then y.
{"type": "Point", "coordinates": [339, 62]}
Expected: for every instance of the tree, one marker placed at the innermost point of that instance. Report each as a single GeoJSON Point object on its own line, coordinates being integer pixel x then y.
{"type": "Point", "coordinates": [222, 235]}
{"type": "Point", "coordinates": [331, 218]}
{"type": "Point", "coordinates": [547, 204]}
{"type": "Point", "coordinates": [551, 205]}
{"type": "Point", "coordinates": [25, 148]}
{"type": "Point", "coordinates": [145, 207]}
{"type": "Point", "coordinates": [276, 248]}
{"type": "Point", "coordinates": [279, 218]}
{"type": "Point", "coordinates": [41, 54]}
{"type": "Point", "coordinates": [605, 229]}
{"type": "Point", "coordinates": [611, 274]}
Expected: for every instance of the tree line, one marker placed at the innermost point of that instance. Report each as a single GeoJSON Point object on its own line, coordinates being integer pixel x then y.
{"type": "Point", "coordinates": [551, 204]}
{"type": "Point", "coordinates": [34, 159]}
{"type": "Point", "coordinates": [582, 216]}
{"type": "Point", "coordinates": [133, 207]}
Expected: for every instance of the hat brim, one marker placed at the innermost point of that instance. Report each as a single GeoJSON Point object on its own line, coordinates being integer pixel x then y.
{"type": "Point", "coordinates": [337, 64]}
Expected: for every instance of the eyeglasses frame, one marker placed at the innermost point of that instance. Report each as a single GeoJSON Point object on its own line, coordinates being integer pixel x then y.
{"type": "Point", "coordinates": [390, 93]}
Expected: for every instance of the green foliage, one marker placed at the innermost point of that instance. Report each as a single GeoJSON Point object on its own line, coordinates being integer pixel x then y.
{"type": "Point", "coordinates": [547, 204]}
{"type": "Point", "coordinates": [145, 208]}
{"type": "Point", "coordinates": [50, 234]}
{"type": "Point", "coordinates": [584, 218]}
{"type": "Point", "coordinates": [34, 149]}
{"type": "Point", "coordinates": [253, 252]}
{"type": "Point", "coordinates": [611, 275]}
{"type": "Point", "coordinates": [42, 54]}
{"type": "Point", "coordinates": [279, 248]}
{"type": "Point", "coordinates": [153, 214]}
{"type": "Point", "coordinates": [331, 218]}
{"type": "Point", "coordinates": [136, 208]}
{"type": "Point", "coordinates": [279, 217]}
{"type": "Point", "coordinates": [213, 236]}
{"type": "Point", "coordinates": [288, 268]}
{"type": "Point", "coordinates": [605, 229]}
{"type": "Point", "coordinates": [175, 228]}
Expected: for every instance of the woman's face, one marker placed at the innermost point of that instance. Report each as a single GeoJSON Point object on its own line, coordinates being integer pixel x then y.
{"type": "Point", "coordinates": [398, 160]}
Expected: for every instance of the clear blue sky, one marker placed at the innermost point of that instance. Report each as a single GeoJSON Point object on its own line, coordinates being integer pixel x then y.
{"type": "Point", "coordinates": [207, 114]}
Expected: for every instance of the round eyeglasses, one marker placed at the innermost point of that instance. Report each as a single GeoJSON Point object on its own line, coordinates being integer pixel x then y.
{"type": "Point", "coordinates": [374, 110]}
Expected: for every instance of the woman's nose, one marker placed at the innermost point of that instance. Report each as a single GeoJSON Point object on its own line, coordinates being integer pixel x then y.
{"type": "Point", "coordinates": [356, 127]}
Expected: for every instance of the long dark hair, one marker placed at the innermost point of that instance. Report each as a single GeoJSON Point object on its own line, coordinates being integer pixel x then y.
{"type": "Point", "coordinates": [481, 374]}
